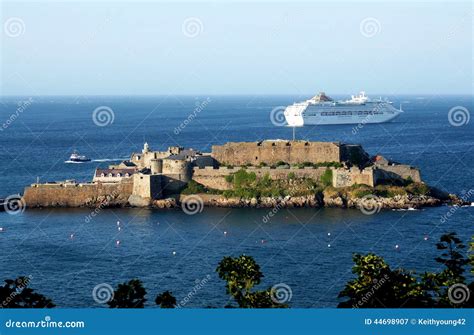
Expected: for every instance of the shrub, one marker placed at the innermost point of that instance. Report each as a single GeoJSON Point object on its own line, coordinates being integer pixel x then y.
{"type": "Point", "coordinates": [194, 187]}
{"type": "Point", "coordinates": [244, 178]}
{"type": "Point", "coordinates": [329, 164]}
{"type": "Point", "coordinates": [409, 180]}
{"type": "Point", "coordinates": [362, 193]}
{"type": "Point", "coordinates": [129, 295]}
{"type": "Point", "coordinates": [265, 181]}
{"type": "Point", "coordinates": [291, 176]}
{"type": "Point", "coordinates": [418, 189]}
{"type": "Point", "coordinates": [241, 274]}
{"type": "Point", "coordinates": [395, 190]}
{"type": "Point", "coordinates": [326, 178]}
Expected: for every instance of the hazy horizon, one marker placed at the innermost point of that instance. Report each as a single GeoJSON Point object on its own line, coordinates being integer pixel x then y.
{"type": "Point", "coordinates": [284, 48]}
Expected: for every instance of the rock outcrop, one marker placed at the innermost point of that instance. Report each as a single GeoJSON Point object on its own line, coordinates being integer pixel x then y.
{"type": "Point", "coordinates": [313, 201]}
{"type": "Point", "coordinates": [263, 202]}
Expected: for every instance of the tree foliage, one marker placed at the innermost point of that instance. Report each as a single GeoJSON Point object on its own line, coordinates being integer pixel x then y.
{"type": "Point", "coordinates": [241, 275]}
{"type": "Point", "coordinates": [377, 285]}
{"type": "Point", "coordinates": [129, 295]}
{"type": "Point", "coordinates": [17, 294]}
{"type": "Point", "coordinates": [166, 300]}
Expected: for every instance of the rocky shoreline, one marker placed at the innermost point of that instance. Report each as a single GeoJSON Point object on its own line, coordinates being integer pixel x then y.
{"type": "Point", "coordinates": [326, 198]}
{"type": "Point", "coordinates": [312, 201]}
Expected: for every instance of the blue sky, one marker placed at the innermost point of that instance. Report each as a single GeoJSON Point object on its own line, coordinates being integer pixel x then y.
{"type": "Point", "coordinates": [120, 48]}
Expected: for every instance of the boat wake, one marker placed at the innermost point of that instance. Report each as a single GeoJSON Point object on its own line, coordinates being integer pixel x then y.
{"type": "Point", "coordinates": [109, 159]}
{"type": "Point", "coordinates": [96, 160]}
{"type": "Point", "coordinates": [405, 209]}
{"type": "Point", "coordinates": [73, 162]}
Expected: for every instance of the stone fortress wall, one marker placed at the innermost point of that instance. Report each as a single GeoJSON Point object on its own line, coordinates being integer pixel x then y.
{"type": "Point", "coordinates": [72, 194]}
{"type": "Point", "coordinates": [271, 152]}
{"type": "Point", "coordinates": [158, 174]}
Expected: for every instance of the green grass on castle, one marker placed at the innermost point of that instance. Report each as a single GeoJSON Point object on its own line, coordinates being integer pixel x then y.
{"type": "Point", "coordinates": [247, 185]}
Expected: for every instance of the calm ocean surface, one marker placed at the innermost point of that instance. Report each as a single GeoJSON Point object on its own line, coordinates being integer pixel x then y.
{"type": "Point", "coordinates": [308, 249]}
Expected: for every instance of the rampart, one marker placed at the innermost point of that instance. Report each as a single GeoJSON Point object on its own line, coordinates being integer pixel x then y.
{"type": "Point", "coordinates": [354, 175]}
{"type": "Point", "coordinates": [77, 194]}
{"type": "Point", "coordinates": [393, 172]}
{"type": "Point", "coordinates": [292, 152]}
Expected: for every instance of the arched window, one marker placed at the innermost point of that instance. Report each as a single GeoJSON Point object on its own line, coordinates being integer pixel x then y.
{"type": "Point", "coordinates": [127, 174]}
{"type": "Point", "coordinates": [111, 175]}
{"type": "Point", "coordinates": [119, 175]}
{"type": "Point", "coordinates": [102, 175]}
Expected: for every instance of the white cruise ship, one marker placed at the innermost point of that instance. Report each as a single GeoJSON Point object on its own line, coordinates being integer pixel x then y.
{"type": "Point", "coordinates": [321, 110]}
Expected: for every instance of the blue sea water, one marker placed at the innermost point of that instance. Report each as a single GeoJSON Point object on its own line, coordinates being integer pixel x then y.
{"type": "Point", "coordinates": [310, 250]}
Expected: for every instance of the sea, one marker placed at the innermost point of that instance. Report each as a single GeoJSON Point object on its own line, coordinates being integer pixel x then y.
{"type": "Point", "coordinates": [67, 253]}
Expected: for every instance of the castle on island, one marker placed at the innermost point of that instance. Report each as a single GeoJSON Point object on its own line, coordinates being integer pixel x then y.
{"type": "Point", "coordinates": [151, 175]}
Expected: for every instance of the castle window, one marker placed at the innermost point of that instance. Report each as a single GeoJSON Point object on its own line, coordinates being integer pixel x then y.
{"type": "Point", "coordinates": [127, 174]}
{"type": "Point", "coordinates": [102, 175]}
{"type": "Point", "coordinates": [256, 158]}
{"type": "Point", "coordinates": [119, 175]}
{"type": "Point", "coordinates": [111, 175]}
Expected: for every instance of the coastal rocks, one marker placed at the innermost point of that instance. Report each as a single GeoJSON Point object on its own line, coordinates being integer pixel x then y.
{"type": "Point", "coordinates": [104, 201]}
{"type": "Point", "coordinates": [137, 201]}
{"type": "Point", "coordinates": [263, 202]}
{"type": "Point", "coordinates": [396, 202]}
{"type": "Point", "coordinates": [334, 202]}
{"type": "Point", "coordinates": [164, 203]}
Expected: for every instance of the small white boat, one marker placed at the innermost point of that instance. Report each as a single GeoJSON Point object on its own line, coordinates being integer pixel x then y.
{"type": "Point", "coordinates": [76, 158]}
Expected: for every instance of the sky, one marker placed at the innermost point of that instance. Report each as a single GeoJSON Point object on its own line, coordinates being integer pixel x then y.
{"type": "Point", "coordinates": [154, 48]}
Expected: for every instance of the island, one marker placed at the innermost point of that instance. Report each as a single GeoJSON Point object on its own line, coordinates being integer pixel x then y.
{"type": "Point", "coordinates": [269, 173]}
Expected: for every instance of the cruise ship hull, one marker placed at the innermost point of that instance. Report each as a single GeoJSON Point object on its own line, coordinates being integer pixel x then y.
{"type": "Point", "coordinates": [330, 112]}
